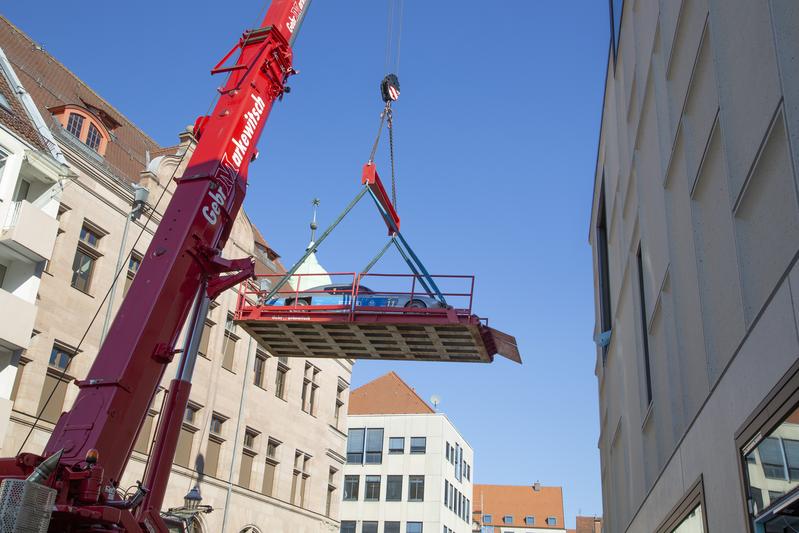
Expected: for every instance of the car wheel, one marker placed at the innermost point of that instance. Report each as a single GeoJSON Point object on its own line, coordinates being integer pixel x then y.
{"type": "Point", "coordinates": [416, 304]}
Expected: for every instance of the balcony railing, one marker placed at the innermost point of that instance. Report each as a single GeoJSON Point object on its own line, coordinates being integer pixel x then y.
{"type": "Point", "coordinates": [12, 217]}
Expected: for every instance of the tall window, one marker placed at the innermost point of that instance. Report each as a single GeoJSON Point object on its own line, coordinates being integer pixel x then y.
{"type": "Point", "coordinates": [339, 401]}
{"type": "Point", "coordinates": [270, 467]}
{"type": "Point", "coordinates": [374, 446]}
{"type": "Point", "coordinates": [371, 492]}
{"type": "Point", "coordinates": [644, 328]}
{"type": "Point", "coordinates": [603, 271]}
{"type": "Point", "coordinates": [280, 377]}
{"type": "Point", "coordinates": [50, 407]}
{"type": "Point", "coordinates": [229, 356]}
{"type": "Point", "coordinates": [355, 442]}
{"type": "Point", "coordinates": [93, 138]}
{"type": "Point", "coordinates": [2, 275]}
{"type": "Point", "coordinates": [133, 267]}
{"type": "Point", "coordinates": [214, 447]}
{"type": "Point", "coordinates": [75, 124]}
{"type": "Point", "coordinates": [309, 388]}
{"type": "Point", "coordinates": [393, 488]}
{"type": "Point", "coordinates": [415, 488]}
{"type": "Point", "coordinates": [365, 446]}
{"type": "Point", "coordinates": [85, 257]}
{"type": "Point", "coordinates": [205, 339]}
{"type": "Point", "coordinates": [247, 457]}
{"type": "Point", "coordinates": [300, 479]}
{"type": "Point", "coordinates": [259, 368]}
{"type": "Point", "coordinates": [351, 484]}
{"type": "Point", "coordinates": [331, 490]}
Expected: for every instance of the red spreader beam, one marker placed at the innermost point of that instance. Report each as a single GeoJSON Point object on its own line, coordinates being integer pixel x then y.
{"type": "Point", "coordinates": [372, 180]}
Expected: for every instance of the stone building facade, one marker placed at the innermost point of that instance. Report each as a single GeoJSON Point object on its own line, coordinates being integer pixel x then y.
{"type": "Point", "coordinates": [263, 437]}
{"type": "Point", "coordinates": [695, 234]}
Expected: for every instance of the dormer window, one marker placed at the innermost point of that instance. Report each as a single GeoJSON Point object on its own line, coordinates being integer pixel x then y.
{"type": "Point", "coordinates": [75, 124]}
{"type": "Point", "coordinates": [93, 138]}
{"type": "Point", "coordinates": [84, 126]}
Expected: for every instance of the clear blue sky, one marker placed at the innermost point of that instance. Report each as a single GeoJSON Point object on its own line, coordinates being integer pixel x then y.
{"type": "Point", "coordinates": [496, 132]}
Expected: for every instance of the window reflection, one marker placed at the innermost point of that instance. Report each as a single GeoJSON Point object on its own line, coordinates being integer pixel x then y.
{"type": "Point", "coordinates": [693, 522]}
{"type": "Point", "coordinates": [772, 467]}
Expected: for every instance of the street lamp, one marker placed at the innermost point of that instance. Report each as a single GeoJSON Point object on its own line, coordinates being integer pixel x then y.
{"type": "Point", "coordinates": [192, 499]}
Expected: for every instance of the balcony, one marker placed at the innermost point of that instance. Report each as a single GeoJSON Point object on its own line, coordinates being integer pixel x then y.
{"type": "Point", "coordinates": [29, 231]}
{"type": "Point", "coordinates": [17, 324]}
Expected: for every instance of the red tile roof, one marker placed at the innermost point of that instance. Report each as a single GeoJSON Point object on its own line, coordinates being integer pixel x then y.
{"type": "Point", "coordinates": [387, 395]}
{"type": "Point", "coordinates": [519, 502]}
{"type": "Point", "coordinates": [51, 84]}
{"type": "Point", "coordinates": [17, 119]}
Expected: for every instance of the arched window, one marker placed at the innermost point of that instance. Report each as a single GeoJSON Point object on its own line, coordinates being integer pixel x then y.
{"type": "Point", "coordinates": [84, 126]}
{"type": "Point", "coordinates": [250, 529]}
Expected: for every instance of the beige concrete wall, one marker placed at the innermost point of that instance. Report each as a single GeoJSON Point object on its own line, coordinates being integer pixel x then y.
{"type": "Point", "coordinates": [64, 313]}
{"type": "Point", "coordinates": [698, 157]}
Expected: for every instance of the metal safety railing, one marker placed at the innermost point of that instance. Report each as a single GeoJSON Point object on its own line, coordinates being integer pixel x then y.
{"type": "Point", "coordinates": [348, 293]}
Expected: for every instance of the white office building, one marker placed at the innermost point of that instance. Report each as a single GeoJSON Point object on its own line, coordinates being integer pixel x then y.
{"type": "Point", "coordinates": [408, 468]}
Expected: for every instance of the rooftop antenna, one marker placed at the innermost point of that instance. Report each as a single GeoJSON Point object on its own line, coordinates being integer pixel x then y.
{"type": "Point", "coordinates": [435, 400]}
{"type": "Point", "coordinates": [314, 226]}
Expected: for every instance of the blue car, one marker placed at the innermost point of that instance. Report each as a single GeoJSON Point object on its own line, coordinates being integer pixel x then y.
{"type": "Point", "coordinates": [337, 294]}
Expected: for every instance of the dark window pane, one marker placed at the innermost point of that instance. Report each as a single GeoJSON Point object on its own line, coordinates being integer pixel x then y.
{"type": "Point", "coordinates": [351, 488]}
{"type": "Point", "coordinates": [75, 124]}
{"type": "Point", "coordinates": [396, 445]}
{"type": "Point", "coordinates": [415, 488]}
{"type": "Point", "coordinates": [82, 268]}
{"type": "Point", "coordinates": [347, 526]}
{"type": "Point", "coordinates": [771, 458]}
{"type": "Point", "coordinates": [393, 488]}
{"type": "Point", "coordinates": [369, 527]}
{"type": "Point", "coordinates": [371, 491]}
{"type": "Point", "coordinates": [355, 442]}
{"type": "Point", "coordinates": [418, 444]}
{"type": "Point", "coordinates": [391, 527]}
{"type": "Point", "coordinates": [93, 137]}
{"type": "Point", "coordinates": [374, 446]}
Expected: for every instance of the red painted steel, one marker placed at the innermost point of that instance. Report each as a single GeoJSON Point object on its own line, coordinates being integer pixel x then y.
{"type": "Point", "coordinates": [372, 179]}
{"type": "Point", "coordinates": [113, 399]}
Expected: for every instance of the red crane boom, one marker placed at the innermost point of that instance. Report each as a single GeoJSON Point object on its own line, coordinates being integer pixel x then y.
{"type": "Point", "coordinates": [182, 268]}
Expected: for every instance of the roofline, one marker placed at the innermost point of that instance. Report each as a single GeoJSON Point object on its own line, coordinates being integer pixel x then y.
{"type": "Point", "coordinates": [80, 80]}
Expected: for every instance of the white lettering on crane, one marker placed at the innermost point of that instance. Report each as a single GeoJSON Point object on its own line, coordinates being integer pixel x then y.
{"type": "Point", "coordinates": [294, 15]}
{"type": "Point", "coordinates": [229, 166]}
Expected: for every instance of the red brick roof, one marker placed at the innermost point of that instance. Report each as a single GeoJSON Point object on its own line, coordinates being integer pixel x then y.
{"type": "Point", "coordinates": [387, 395]}
{"type": "Point", "coordinates": [17, 120]}
{"type": "Point", "coordinates": [519, 502]}
{"type": "Point", "coordinates": [51, 84]}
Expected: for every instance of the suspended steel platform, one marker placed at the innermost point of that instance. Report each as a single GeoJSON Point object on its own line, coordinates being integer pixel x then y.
{"type": "Point", "coordinates": [398, 318]}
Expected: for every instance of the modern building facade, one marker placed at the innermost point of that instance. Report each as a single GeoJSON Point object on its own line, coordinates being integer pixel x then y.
{"type": "Point", "coordinates": [695, 234]}
{"type": "Point", "coordinates": [408, 469]}
{"type": "Point", "coordinates": [263, 437]}
{"type": "Point", "coordinates": [518, 508]}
